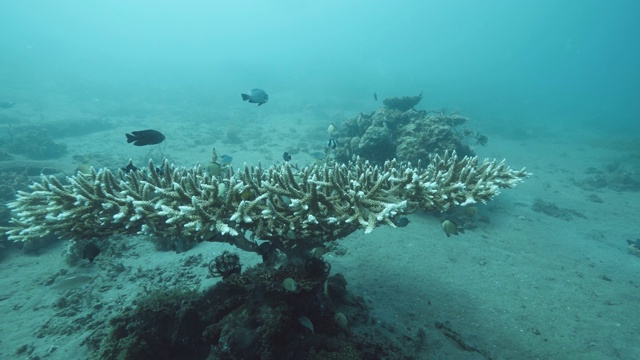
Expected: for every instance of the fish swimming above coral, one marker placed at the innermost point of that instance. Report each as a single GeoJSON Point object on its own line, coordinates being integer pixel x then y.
{"type": "Point", "coordinates": [145, 137]}
{"type": "Point", "coordinates": [257, 96]}
{"type": "Point", "coordinates": [331, 129]}
{"type": "Point", "coordinates": [129, 167]}
{"type": "Point", "coordinates": [226, 160]}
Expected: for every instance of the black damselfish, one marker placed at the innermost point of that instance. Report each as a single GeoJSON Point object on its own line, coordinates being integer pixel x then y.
{"type": "Point", "coordinates": [145, 137]}
{"type": "Point", "coordinates": [130, 167]}
{"type": "Point", "coordinates": [90, 251]}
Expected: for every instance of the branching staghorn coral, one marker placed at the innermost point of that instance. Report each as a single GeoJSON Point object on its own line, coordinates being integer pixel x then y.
{"type": "Point", "coordinates": [293, 209]}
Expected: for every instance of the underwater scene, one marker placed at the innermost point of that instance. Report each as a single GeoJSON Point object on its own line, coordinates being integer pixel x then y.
{"type": "Point", "coordinates": [284, 180]}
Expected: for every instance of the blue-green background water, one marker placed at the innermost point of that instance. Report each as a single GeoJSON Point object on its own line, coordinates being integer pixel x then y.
{"type": "Point", "coordinates": [576, 62]}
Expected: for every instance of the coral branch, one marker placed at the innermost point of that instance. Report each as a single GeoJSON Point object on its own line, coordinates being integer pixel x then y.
{"type": "Point", "coordinates": [289, 207]}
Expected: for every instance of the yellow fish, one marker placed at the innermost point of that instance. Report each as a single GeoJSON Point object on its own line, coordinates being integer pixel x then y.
{"type": "Point", "coordinates": [451, 228]}
{"type": "Point", "coordinates": [331, 129]}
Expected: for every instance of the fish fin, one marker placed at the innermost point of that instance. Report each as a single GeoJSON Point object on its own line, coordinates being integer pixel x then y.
{"type": "Point", "coordinates": [130, 138]}
{"type": "Point", "coordinates": [245, 97]}
{"type": "Point", "coordinates": [260, 104]}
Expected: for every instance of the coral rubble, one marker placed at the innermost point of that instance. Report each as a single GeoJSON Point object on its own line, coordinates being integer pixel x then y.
{"type": "Point", "coordinates": [290, 208]}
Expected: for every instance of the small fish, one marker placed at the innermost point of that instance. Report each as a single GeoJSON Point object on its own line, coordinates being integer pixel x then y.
{"type": "Point", "coordinates": [331, 144]}
{"type": "Point", "coordinates": [401, 222]}
{"type": "Point", "coordinates": [130, 167]}
{"type": "Point", "coordinates": [73, 282]}
{"type": "Point", "coordinates": [319, 251]}
{"type": "Point", "coordinates": [470, 210]}
{"type": "Point", "coordinates": [257, 96]}
{"type": "Point", "coordinates": [375, 96]}
{"type": "Point", "coordinates": [331, 129]}
{"type": "Point", "coordinates": [145, 137]}
{"type": "Point", "coordinates": [635, 244]}
{"type": "Point", "coordinates": [286, 156]}
{"type": "Point", "coordinates": [247, 194]}
{"type": "Point", "coordinates": [634, 247]}
{"type": "Point", "coordinates": [306, 322]}
{"type": "Point", "coordinates": [226, 160]}
{"type": "Point", "coordinates": [451, 228]}
{"type": "Point", "coordinates": [90, 251]}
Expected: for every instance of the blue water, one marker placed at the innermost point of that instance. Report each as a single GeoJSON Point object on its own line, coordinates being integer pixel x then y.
{"type": "Point", "coordinates": [572, 61]}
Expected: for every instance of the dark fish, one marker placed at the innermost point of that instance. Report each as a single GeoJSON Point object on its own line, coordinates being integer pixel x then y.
{"type": "Point", "coordinates": [401, 222]}
{"type": "Point", "coordinates": [331, 144]}
{"type": "Point", "coordinates": [375, 96]}
{"type": "Point", "coordinates": [90, 251]}
{"type": "Point", "coordinates": [145, 137]}
{"type": "Point", "coordinates": [286, 156]}
{"type": "Point", "coordinates": [257, 96]}
{"type": "Point", "coordinates": [635, 244]}
{"type": "Point", "coordinates": [130, 167]}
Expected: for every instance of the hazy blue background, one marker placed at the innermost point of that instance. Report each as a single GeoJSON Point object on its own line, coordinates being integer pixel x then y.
{"type": "Point", "coordinates": [513, 60]}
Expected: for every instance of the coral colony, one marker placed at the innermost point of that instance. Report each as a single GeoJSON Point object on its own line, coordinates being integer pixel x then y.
{"type": "Point", "coordinates": [289, 304]}
{"type": "Point", "coordinates": [287, 207]}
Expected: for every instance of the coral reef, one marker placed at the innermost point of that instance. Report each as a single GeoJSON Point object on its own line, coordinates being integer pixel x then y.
{"type": "Point", "coordinates": [401, 132]}
{"type": "Point", "coordinates": [553, 210]}
{"type": "Point", "coordinates": [287, 307]}
{"type": "Point", "coordinates": [295, 210]}
{"type": "Point", "coordinates": [12, 179]}
{"type": "Point", "coordinates": [613, 176]}
{"type": "Point", "coordinates": [251, 316]}
{"type": "Point", "coordinates": [33, 142]}
{"type": "Point", "coordinates": [402, 103]}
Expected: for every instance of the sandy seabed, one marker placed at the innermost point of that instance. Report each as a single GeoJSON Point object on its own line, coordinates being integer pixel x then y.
{"type": "Point", "coordinates": [522, 284]}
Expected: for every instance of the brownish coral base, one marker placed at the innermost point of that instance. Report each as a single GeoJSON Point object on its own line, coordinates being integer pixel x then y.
{"type": "Point", "coordinates": [251, 316]}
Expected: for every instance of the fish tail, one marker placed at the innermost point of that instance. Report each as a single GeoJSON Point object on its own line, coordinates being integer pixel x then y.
{"type": "Point", "coordinates": [245, 97]}
{"type": "Point", "coordinates": [130, 138]}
